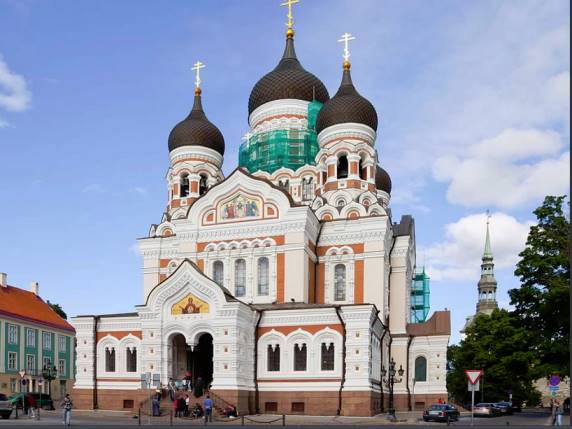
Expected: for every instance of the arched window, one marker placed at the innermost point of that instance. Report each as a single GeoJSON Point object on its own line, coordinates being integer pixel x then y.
{"type": "Point", "coordinates": [327, 357]}
{"type": "Point", "coordinates": [273, 355]}
{"type": "Point", "coordinates": [239, 277]}
{"type": "Point", "coordinates": [420, 369]}
{"type": "Point", "coordinates": [202, 184]}
{"type": "Point", "coordinates": [307, 188]}
{"type": "Point", "coordinates": [184, 185]}
{"type": "Point", "coordinates": [362, 170]}
{"type": "Point", "coordinates": [300, 357]}
{"type": "Point", "coordinates": [218, 272]}
{"type": "Point", "coordinates": [263, 276]}
{"type": "Point", "coordinates": [340, 282]}
{"type": "Point", "coordinates": [109, 359]}
{"type": "Point", "coordinates": [131, 362]}
{"type": "Point", "coordinates": [342, 167]}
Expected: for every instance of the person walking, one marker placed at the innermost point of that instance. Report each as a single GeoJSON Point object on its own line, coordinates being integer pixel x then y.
{"type": "Point", "coordinates": [558, 415]}
{"type": "Point", "coordinates": [208, 406]}
{"type": "Point", "coordinates": [67, 405]}
{"type": "Point", "coordinates": [187, 405]}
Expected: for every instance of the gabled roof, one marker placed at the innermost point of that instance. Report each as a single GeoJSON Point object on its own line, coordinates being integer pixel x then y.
{"type": "Point", "coordinates": [21, 304]}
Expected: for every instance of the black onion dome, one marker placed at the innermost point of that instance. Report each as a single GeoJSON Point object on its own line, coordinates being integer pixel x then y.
{"type": "Point", "coordinates": [347, 106]}
{"type": "Point", "coordinates": [382, 180]}
{"type": "Point", "coordinates": [196, 130]}
{"type": "Point", "coordinates": [288, 80]}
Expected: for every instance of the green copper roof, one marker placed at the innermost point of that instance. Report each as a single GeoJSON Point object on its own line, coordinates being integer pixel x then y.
{"type": "Point", "coordinates": [488, 254]}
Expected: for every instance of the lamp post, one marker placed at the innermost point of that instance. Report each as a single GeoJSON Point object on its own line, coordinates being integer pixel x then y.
{"type": "Point", "coordinates": [49, 373]}
{"type": "Point", "coordinates": [389, 381]}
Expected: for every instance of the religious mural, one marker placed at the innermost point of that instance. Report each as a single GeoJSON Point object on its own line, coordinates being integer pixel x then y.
{"type": "Point", "coordinates": [241, 206]}
{"type": "Point", "coordinates": [190, 304]}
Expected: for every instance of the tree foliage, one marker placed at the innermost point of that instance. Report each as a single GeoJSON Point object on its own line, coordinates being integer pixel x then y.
{"type": "Point", "coordinates": [499, 345]}
{"type": "Point", "coordinates": [542, 302]}
{"type": "Point", "coordinates": [58, 309]}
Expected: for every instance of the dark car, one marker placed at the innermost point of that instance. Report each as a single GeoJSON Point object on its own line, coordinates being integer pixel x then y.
{"type": "Point", "coordinates": [504, 407]}
{"type": "Point", "coordinates": [43, 401]}
{"type": "Point", "coordinates": [441, 413]}
{"type": "Point", "coordinates": [5, 407]}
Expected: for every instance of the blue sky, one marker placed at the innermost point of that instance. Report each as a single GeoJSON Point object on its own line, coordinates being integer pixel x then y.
{"type": "Point", "coordinates": [473, 101]}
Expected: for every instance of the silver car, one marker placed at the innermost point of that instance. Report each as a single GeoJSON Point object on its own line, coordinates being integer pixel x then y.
{"type": "Point", "coordinates": [486, 409]}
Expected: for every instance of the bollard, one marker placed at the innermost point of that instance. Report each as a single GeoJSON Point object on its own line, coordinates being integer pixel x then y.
{"type": "Point", "coordinates": [241, 420]}
{"type": "Point", "coordinates": [139, 417]}
{"type": "Point", "coordinates": [171, 418]}
{"type": "Point", "coordinates": [283, 419]}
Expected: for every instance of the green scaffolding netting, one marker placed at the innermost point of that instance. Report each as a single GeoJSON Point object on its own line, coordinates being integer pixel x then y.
{"type": "Point", "coordinates": [271, 150]}
{"type": "Point", "coordinates": [420, 297]}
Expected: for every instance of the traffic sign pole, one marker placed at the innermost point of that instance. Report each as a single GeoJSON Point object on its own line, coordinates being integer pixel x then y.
{"type": "Point", "coordinates": [472, 405]}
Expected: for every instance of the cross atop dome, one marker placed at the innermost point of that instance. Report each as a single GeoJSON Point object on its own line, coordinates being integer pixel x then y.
{"type": "Point", "coordinates": [345, 39]}
{"type": "Point", "coordinates": [290, 23]}
{"type": "Point", "coordinates": [197, 69]}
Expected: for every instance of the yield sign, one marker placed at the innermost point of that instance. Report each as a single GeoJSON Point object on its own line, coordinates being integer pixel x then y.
{"type": "Point", "coordinates": [473, 375]}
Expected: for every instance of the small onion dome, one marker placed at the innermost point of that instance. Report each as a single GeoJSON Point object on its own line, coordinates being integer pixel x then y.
{"type": "Point", "coordinates": [196, 130]}
{"type": "Point", "coordinates": [287, 80]}
{"type": "Point", "coordinates": [382, 180]}
{"type": "Point", "coordinates": [347, 106]}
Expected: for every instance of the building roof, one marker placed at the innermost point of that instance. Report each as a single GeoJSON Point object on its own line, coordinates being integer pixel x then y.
{"type": "Point", "coordinates": [288, 80]}
{"type": "Point", "coordinates": [382, 180]}
{"type": "Point", "coordinates": [21, 304]}
{"type": "Point", "coordinates": [347, 106]}
{"type": "Point", "coordinates": [196, 130]}
{"type": "Point", "coordinates": [438, 324]}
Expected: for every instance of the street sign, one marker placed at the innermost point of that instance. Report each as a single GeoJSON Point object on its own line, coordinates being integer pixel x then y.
{"type": "Point", "coordinates": [476, 387]}
{"type": "Point", "coordinates": [40, 381]}
{"type": "Point", "coordinates": [473, 375]}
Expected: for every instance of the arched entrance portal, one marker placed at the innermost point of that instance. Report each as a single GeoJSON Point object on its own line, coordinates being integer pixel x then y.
{"type": "Point", "coordinates": [198, 361]}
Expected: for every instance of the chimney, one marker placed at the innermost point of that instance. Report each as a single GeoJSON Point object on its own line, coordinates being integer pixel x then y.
{"type": "Point", "coordinates": [3, 279]}
{"type": "Point", "coordinates": [35, 288]}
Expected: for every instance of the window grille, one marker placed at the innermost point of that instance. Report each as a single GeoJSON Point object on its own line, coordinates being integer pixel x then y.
{"type": "Point", "coordinates": [240, 277]}
{"type": "Point", "coordinates": [340, 282]}
{"type": "Point", "coordinates": [300, 357]}
{"type": "Point", "coordinates": [263, 276]}
{"type": "Point", "coordinates": [327, 357]}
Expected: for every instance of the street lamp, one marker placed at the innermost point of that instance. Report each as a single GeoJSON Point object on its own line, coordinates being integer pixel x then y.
{"type": "Point", "coordinates": [389, 381]}
{"type": "Point", "coordinates": [49, 373]}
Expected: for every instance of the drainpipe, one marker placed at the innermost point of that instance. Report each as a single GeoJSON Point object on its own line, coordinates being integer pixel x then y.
{"type": "Point", "coordinates": [387, 318]}
{"type": "Point", "coordinates": [256, 392]}
{"type": "Point", "coordinates": [343, 380]}
{"type": "Point", "coordinates": [316, 264]}
{"type": "Point", "coordinates": [380, 376]}
{"type": "Point", "coordinates": [407, 372]}
{"type": "Point", "coordinates": [95, 326]}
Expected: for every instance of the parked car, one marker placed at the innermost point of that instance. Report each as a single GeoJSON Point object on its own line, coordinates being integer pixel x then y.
{"type": "Point", "coordinates": [504, 407]}
{"type": "Point", "coordinates": [18, 400]}
{"type": "Point", "coordinates": [5, 407]}
{"type": "Point", "coordinates": [43, 400]}
{"type": "Point", "coordinates": [441, 413]}
{"type": "Point", "coordinates": [486, 409]}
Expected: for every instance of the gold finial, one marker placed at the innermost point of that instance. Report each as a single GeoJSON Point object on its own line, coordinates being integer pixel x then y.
{"type": "Point", "coordinates": [197, 68]}
{"type": "Point", "coordinates": [346, 37]}
{"type": "Point", "coordinates": [290, 23]}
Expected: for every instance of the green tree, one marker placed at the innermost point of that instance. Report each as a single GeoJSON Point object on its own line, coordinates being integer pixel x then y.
{"type": "Point", "coordinates": [500, 346]}
{"type": "Point", "coordinates": [542, 302]}
{"type": "Point", "coordinates": [58, 309]}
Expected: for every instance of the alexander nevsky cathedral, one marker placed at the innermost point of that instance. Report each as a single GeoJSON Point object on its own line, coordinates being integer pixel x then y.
{"type": "Point", "coordinates": [285, 286]}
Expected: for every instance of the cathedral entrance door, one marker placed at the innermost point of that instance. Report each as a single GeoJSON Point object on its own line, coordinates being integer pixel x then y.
{"type": "Point", "coordinates": [201, 360]}
{"type": "Point", "coordinates": [180, 362]}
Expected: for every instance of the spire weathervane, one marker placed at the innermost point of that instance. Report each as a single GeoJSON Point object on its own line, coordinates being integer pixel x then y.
{"type": "Point", "coordinates": [197, 68]}
{"type": "Point", "coordinates": [290, 23]}
{"type": "Point", "coordinates": [345, 39]}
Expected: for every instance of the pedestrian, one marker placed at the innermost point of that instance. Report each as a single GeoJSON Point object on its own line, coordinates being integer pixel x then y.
{"type": "Point", "coordinates": [31, 406]}
{"type": "Point", "coordinates": [187, 405]}
{"type": "Point", "coordinates": [67, 405]}
{"type": "Point", "coordinates": [208, 406]}
{"type": "Point", "coordinates": [155, 404]}
{"type": "Point", "coordinates": [553, 412]}
{"type": "Point", "coordinates": [199, 387]}
{"type": "Point", "coordinates": [558, 415]}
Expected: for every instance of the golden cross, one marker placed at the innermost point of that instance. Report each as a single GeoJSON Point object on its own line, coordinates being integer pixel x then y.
{"type": "Point", "coordinates": [289, 3]}
{"type": "Point", "coordinates": [346, 37]}
{"type": "Point", "coordinates": [197, 68]}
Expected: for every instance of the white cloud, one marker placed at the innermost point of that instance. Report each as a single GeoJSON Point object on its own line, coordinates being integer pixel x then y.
{"type": "Point", "coordinates": [94, 188]}
{"type": "Point", "coordinates": [458, 257]}
{"type": "Point", "coordinates": [511, 169]}
{"type": "Point", "coordinates": [140, 191]}
{"type": "Point", "coordinates": [14, 93]}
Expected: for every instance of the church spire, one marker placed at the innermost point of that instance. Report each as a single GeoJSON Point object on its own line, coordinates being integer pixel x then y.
{"type": "Point", "coordinates": [487, 284]}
